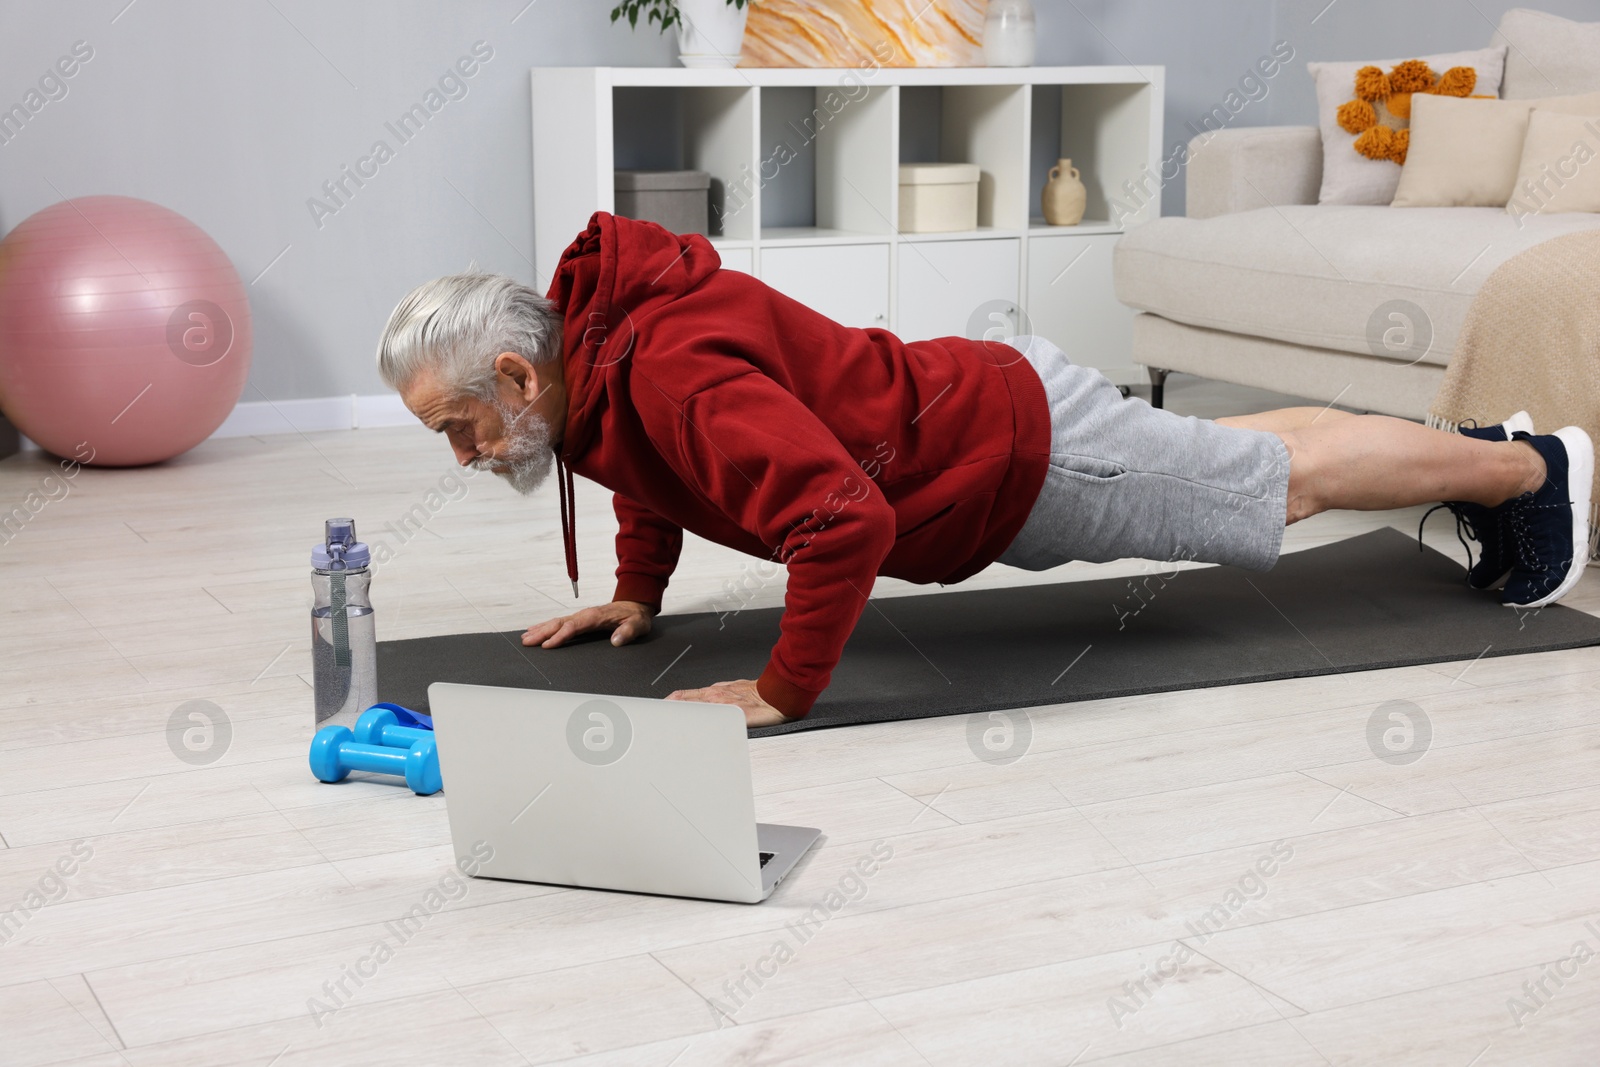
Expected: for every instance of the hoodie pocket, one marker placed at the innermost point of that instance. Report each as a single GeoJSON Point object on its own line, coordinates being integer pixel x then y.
{"type": "Point", "coordinates": [1085, 468]}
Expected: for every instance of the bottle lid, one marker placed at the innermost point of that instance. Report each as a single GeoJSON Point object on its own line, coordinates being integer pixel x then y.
{"type": "Point", "coordinates": [340, 551]}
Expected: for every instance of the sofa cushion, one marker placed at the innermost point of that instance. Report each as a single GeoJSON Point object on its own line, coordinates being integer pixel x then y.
{"type": "Point", "coordinates": [1328, 276]}
{"type": "Point", "coordinates": [1548, 54]}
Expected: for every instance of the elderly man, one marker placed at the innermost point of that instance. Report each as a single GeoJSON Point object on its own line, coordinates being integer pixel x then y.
{"type": "Point", "coordinates": [707, 401]}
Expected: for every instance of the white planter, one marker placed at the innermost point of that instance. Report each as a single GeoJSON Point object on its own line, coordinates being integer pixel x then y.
{"type": "Point", "coordinates": [710, 32]}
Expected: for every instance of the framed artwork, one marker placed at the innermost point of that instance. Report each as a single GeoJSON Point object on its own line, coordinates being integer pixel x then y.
{"type": "Point", "coordinates": [848, 33]}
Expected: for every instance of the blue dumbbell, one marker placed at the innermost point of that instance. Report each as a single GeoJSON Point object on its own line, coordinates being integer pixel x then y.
{"type": "Point", "coordinates": [335, 753]}
{"type": "Point", "coordinates": [379, 726]}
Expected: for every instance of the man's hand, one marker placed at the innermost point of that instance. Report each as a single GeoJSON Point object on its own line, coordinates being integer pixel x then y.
{"type": "Point", "coordinates": [627, 620]}
{"type": "Point", "coordinates": [741, 691]}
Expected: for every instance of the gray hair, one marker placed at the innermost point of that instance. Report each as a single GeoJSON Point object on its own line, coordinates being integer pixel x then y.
{"type": "Point", "coordinates": [456, 325]}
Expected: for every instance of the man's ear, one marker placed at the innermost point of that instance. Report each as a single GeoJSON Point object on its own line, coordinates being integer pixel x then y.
{"type": "Point", "coordinates": [516, 370]}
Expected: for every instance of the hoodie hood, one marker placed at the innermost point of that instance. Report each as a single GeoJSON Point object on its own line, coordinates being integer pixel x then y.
{"type": "Point", "coordinates": [610, 281]}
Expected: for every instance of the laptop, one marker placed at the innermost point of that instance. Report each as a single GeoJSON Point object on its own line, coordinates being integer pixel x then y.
{"type": "Point", "coordinates": [601, 792]}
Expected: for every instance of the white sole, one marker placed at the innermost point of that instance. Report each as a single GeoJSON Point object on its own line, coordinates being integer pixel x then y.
{"type": "Point", "coordinates": [1580, 482]}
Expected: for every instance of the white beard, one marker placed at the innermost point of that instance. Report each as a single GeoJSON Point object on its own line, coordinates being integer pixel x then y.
{"type": "Point", "coordinates": [526, 457]}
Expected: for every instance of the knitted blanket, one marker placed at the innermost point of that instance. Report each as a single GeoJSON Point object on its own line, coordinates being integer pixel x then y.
{"type": "Point", "coordinates": [1531, 341]}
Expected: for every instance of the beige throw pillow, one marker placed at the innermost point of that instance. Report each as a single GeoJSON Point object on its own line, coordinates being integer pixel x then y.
{"type": "Point", "coordinates": [1466, 153]}
{"type": "Point", "coordinates": [1351, 178]}
{"type": "Point", "coordinates": [1463, 153]}
{"type": "Point", "coordinates": [1560, 168]}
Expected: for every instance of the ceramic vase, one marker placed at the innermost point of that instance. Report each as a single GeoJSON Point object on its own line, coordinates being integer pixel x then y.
{"type": "Point", "coordinates": [1064, 195]}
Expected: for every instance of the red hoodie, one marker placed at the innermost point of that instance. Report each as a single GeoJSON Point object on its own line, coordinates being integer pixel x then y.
{"type": "Point", "coordinates": [708, 401]}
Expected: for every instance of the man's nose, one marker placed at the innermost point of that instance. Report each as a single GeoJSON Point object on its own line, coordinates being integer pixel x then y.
{"type": "Point", "coordinates": [464, 455]}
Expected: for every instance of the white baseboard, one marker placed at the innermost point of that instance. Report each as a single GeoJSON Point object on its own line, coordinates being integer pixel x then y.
{"type": "Point", "coordinates": [384, 409]}
{"type": "Point", "coordinates": [260, 417]}
{"type": "Point", "coordinates": [352, 412]}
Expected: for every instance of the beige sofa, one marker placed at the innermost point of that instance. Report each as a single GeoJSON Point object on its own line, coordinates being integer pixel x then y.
{"type": "Point", "coordinates": [1261, 286]}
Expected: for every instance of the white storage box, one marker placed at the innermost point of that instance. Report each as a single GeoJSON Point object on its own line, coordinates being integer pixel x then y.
{"type": "Point", "coordinates": [938, 197]}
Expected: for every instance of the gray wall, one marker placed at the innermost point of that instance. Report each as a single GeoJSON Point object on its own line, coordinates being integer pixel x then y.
{"type": "Point", "coordinates": [235, 112]}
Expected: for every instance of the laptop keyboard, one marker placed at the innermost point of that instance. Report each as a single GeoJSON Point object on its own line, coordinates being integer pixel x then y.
{"type": "Point", "coordinates": [765, 856]}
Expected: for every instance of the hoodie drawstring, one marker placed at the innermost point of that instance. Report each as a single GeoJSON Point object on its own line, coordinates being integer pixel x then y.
{"type": "Point", "coordinates": [569, 532]}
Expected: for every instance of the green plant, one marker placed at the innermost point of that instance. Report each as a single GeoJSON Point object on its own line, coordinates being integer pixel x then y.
{"type": "Point", "coordinates": [662, 11]}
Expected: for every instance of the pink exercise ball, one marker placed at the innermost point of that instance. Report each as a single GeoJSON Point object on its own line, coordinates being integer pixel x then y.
{"type": "Point", "coordinates": [124, 331]}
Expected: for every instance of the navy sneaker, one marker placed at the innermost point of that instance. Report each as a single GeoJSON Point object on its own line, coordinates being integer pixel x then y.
{"type": "Point", "coordinates": [1481, 524]}
{"type": "Point", "coordinates": [1547, 530]}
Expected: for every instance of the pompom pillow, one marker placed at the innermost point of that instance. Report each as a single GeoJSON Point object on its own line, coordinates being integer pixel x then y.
{"type": "Point", "coordinates": [1348, 177]}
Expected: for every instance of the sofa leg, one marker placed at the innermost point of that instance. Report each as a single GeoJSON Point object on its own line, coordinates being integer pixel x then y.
{"type": "Point", "coordinates": [1158, 385]}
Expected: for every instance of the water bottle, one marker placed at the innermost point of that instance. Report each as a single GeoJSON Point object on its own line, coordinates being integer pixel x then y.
{"type": "Point", "coordinates": [344, 640]}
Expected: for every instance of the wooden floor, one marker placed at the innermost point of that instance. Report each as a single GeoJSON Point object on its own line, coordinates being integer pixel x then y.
{"type": "Point", "coordinates": [1101, 900]}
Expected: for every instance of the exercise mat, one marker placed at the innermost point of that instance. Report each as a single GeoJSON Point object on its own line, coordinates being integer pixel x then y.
{"type": "Point", "coordinates": [1366, 603]}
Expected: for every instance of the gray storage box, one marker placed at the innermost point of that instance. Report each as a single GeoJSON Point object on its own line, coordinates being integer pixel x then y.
{"type": "Point", "coordinates": [680, 200]}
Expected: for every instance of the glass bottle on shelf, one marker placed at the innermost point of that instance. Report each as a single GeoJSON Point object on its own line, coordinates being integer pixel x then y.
{"type": "Point", "coordinates": [1010, 34]}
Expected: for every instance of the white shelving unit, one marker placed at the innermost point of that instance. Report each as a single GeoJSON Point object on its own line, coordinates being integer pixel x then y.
{"type": "Point", "coordinates": [805, 191]}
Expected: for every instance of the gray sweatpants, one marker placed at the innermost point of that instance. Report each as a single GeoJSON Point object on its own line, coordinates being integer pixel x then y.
{"type": "Point", "coordinates": [1127, 480]}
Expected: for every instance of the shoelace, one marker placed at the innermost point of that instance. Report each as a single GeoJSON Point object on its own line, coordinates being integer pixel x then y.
{"type": "Point", "coordinates": [1528, 550]}
{"type": "Point", "coordinates": [1464, 529]}
{"type": "Point", "coordinates": [1521, 544]}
